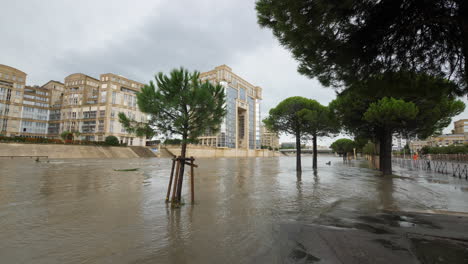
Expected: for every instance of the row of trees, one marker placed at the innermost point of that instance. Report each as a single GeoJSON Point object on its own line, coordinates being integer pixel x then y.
{"type": "Point", "coordinates": [303, 118]}
{"type": "Point", "coordinates": [399, 65]}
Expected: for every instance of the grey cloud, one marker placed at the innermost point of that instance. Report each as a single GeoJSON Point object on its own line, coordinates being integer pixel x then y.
{"type": "Point", "coordinates": [176, 36]}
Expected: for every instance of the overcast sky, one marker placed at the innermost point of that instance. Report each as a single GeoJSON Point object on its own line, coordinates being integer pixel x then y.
{"type": "Point", "coordinates": [52, 39]}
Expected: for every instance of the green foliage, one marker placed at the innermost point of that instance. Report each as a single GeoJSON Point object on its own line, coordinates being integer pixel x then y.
{"type": "Point", "coordinates": [369, 149]}
{"type": "Point", "coordinates": [180, 103]}
{"type": "Point", "coordinates": [76, 134]}
{"type": "Point", "coordinates": [434, 97]}
{"type": "Point", "coordinates": [170, 141]}
{"type": "Point", "coordinates": [406, 149]}
{"type": "Point", "coordinates": [391, 112]}
{"type": "Point", "coordinates": [445, 150]}
{"type": "Point", "coordinates": [360, 142]}
{"type": "Point", "coordinates": [343, 145]}
{"type": "Point", "coordinates": [66, 135]}
{"type": "Point", "coordinates": [425, 150]}
{"type": "Point", "coordinates": [112, 141]}
{"type": "Point", "coordinates": [284, 118]}
{"type": "Point", "coordinates": [318, 120]}
{"type": "Point", "coordinates": [140, 129]}
{"type": "Point", "coordinates": [345, 41]}
{"type": "Point", "coordinates": [301, 115]}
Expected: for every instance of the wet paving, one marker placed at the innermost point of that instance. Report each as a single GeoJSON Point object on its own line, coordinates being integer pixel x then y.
{"type": "Point", "coordinates": [253, 210]}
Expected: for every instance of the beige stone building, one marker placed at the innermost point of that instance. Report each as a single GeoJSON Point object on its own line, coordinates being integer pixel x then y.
{"type": "Point", "coordinates": [35, 112]}
{"type": "Point", "coordinates": [447, 140]}
{"type": "Point", "coordinates": [269, 139]}
{"type": "Point", "coordinates": [12, 82]}
{"type": "Point", "coordinates": [56, 91]}
{"type": "Point", "coordinates": [461, 126]}
{"type": "Point", "coordinates": [91, 106]}
{"type": "Point", "coordinates": [84, 105]}
{"type": "Point", "coordinates": [118, 94]}
{"type": "Point", "coordinates": [241, 126]}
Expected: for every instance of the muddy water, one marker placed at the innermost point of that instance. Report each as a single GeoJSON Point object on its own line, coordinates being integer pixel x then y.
{"type": "Point", "coordinates": [82, 211]}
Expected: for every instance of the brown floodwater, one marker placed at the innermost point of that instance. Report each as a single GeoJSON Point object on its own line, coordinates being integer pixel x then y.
{"type": "Point", "coordinates": [82, 211]}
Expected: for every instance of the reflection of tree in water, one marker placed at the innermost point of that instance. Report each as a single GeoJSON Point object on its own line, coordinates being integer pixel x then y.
{"type": "Point", "coordinates": [385, 190]}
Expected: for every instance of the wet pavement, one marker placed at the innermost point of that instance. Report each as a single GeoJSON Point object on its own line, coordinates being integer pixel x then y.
{"type": "Point", "coordinates": [254, 210]}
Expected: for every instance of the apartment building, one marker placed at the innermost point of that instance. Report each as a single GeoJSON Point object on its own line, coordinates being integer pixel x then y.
{"type": "Point", "coordinates": [56, 91]}
{"type": "Point", "coordinates": [91, 107]}
{"type": "Point", "coordinates": [35, 112]}
{"type": "Point", "coordinates": [461, 126]}
{"type": "Point", "coordinates": [12, 82]}
{"type": "Point", "coordinates": [269, 139]}
{"type": "Point", "coordinates": [241, 126]}
{"type": "Point", "coordinates": [80, 111]}
{"type": "Point", "coordinates": [118, 94]}
{"type": "Point", "coordinates": [84, 105]}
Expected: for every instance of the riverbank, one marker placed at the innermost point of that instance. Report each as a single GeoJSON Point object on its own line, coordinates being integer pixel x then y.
{"type": "Point", "coordinates": [59, 151]}
{"type": "Point", "coordinates": [213, 152]}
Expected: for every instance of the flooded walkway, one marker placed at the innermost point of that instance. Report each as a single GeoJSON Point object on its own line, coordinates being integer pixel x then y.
{"type": "Point", "coordinates": [82, 211]}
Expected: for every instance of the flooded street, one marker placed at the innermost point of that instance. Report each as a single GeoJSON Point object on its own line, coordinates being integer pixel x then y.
{"type": "Point", "coordinates": [82, 211]}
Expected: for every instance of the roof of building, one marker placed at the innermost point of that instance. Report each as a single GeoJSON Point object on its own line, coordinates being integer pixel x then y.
{"type": "Point", "coordinates": [11, 68]}
{"type": "Point", "coordinates": [79, 73]}
{"type": "Point", "coordinates": [53, 81]}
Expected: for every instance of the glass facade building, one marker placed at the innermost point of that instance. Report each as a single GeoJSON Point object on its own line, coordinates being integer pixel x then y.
{"type": "Point", "coordinates": [240, 128]}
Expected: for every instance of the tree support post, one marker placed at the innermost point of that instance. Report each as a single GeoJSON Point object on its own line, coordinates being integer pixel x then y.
{"type": "Point", "coordinates": [176, 180]}
{"type": "Point", "coordinates": [192, 187]}
{"type": "Point", "coordinates": [170, 180]}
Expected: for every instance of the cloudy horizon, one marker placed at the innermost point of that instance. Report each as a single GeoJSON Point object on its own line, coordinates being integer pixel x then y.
{"type": "Point", "coordinates": [137, 39]}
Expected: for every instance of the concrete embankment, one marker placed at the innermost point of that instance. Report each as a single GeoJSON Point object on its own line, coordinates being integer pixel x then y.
{"type": "Point", "coordinates": [211, 152]}
{"type": "Point", "coordinates": [58, 151]}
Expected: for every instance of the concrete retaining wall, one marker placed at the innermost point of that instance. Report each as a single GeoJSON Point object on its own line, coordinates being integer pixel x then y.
{"type": "Point", "coordinates": [57, 151]}
{"type": "Point", "coordinates": [210, 152]}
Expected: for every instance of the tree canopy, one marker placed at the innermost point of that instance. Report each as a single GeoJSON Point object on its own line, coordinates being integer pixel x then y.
{"type": "Point", "coordinates": [434, 97]}
{"type": "Point", "coordinates": [319, 121]}
{"type": "Point", "coordinates": [417, 105]}
{"type": "Point", "coordinates": [340, 42]}
{"type": "Point", "coordinates": [285, 118]}
{"type": "Point", "coordinates": [181, 104]}
{"type": "Point", "coordinates": [343, 145]}
{"type": "Point", "coordinates": [301, 117]}
{"type": "Point", "coordinates": [391, 112]}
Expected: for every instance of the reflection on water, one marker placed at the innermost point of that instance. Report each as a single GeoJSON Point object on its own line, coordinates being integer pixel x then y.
{"type": "Point", "coordinates": [84, 211]}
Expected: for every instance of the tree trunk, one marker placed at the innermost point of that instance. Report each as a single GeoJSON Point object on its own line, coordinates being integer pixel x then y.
{"type": "Point", "coordinates": [386, 165]}
{"type": "Point", "coordinates": [181, 169]}
{"type": "Point", "coordinates": [314, 157]}
{"type": "Point", "coordinates": [381, 150]}
{"type": "Point", "coordinates": [298, 151]}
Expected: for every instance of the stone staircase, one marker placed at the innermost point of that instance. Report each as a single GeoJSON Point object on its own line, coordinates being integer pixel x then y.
{"type": "Point", "coordinates": [143, 152]}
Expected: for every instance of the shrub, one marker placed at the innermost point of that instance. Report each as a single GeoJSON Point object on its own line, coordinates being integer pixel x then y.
{"type": "Point", "coordinates": [112, 141]}
{"type": "Point", "coordinates": [174, 141]}
{"type": "Point", "coordinates": [66, 135]}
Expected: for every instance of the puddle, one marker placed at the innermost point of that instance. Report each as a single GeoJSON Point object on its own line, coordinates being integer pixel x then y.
{"type": "Point", "coordinates": [439, 250]}
{"type": "Point", "coordinates": [372, 229]}
{"type": "Point", "coordinates": [390, 244]}
{"type": "Point", "coordinates": [299, 253]}
{"type": "Point", "coordinates": [395, 220]}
